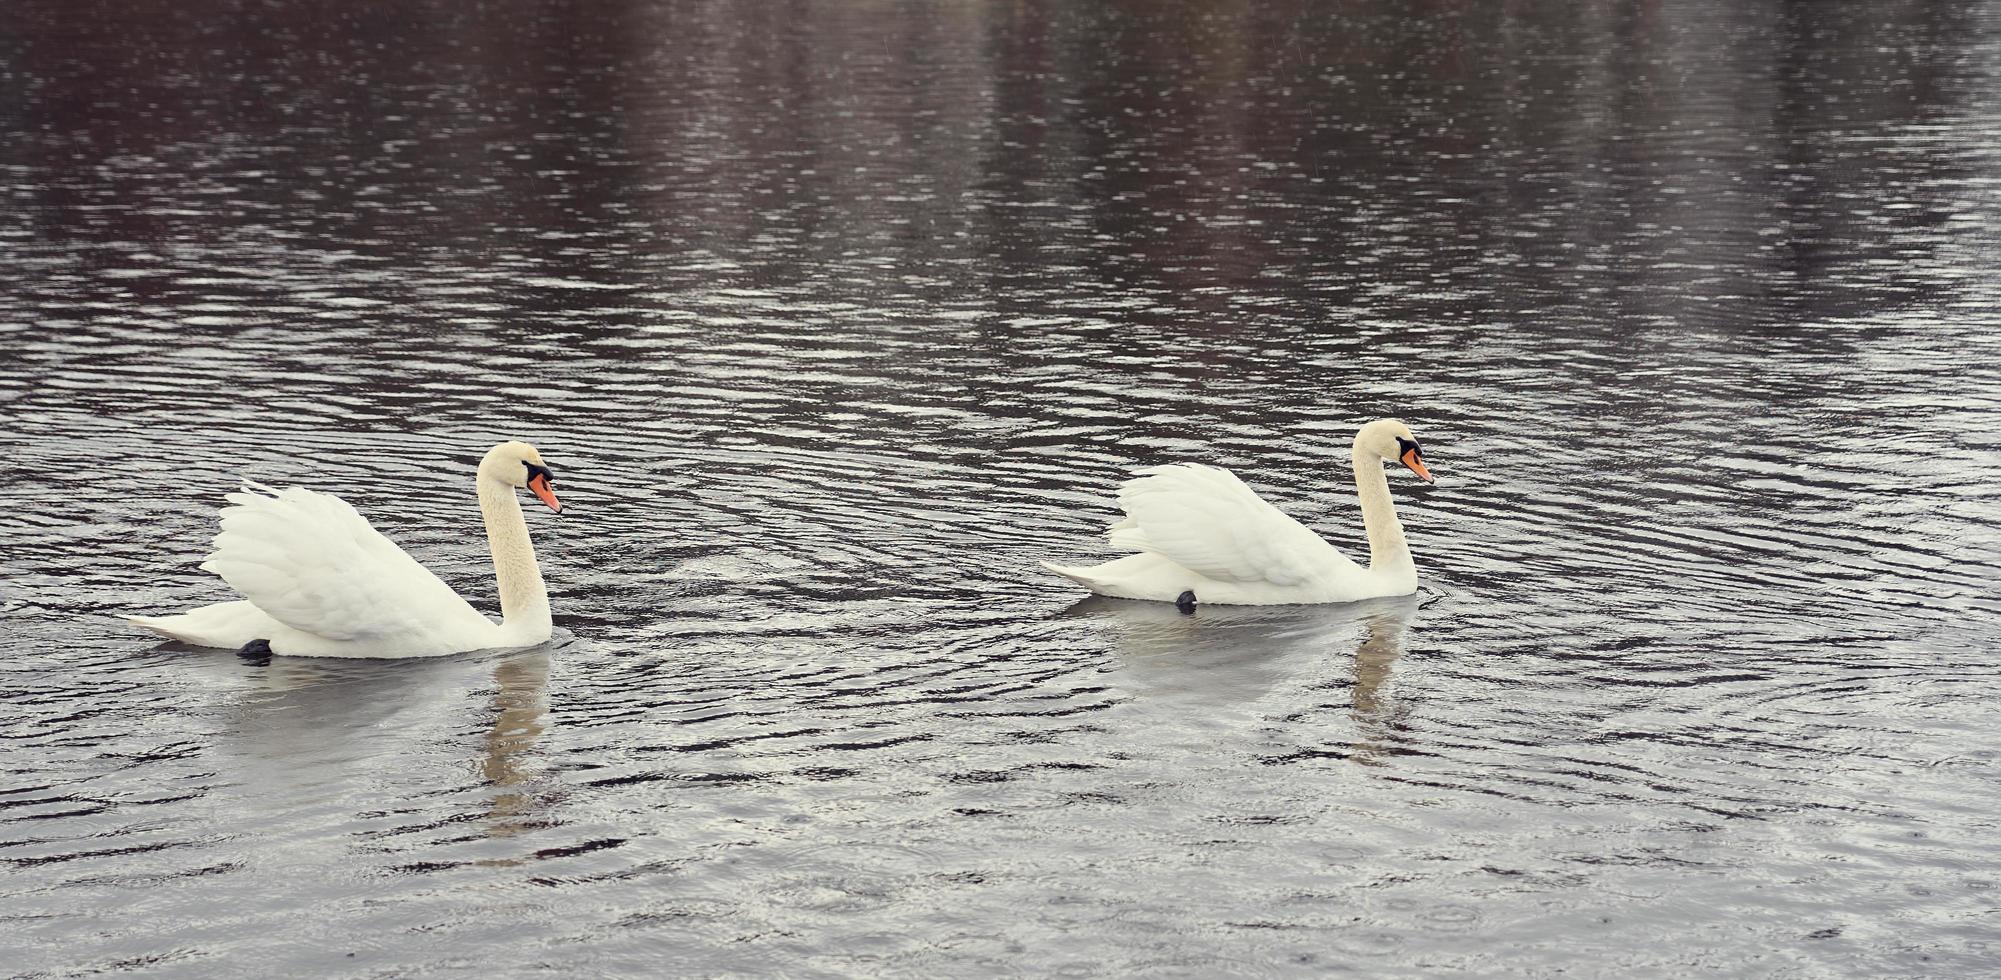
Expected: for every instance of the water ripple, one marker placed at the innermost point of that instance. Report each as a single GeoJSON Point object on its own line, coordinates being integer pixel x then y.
{"type": "Point", "coordinates": [835, 324]}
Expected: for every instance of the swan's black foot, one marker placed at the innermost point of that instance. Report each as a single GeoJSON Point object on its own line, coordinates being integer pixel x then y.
{"type": "Point", "coordinates": [1185, 602]}
{"type": "Point", "coordinates": [256, 651]}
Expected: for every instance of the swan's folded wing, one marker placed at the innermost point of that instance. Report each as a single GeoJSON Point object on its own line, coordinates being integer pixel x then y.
{"type": "Point", "coordinates": [1207, 521]}
{"type": "Point", "coordinates": [312, 562]}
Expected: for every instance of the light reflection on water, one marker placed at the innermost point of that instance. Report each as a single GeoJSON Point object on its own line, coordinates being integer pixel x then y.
{"type": "Point", "coordinates": [836, 321]}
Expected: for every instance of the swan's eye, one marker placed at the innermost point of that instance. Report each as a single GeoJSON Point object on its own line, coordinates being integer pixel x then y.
{"type": "Point", "coordinates": [535, 471]}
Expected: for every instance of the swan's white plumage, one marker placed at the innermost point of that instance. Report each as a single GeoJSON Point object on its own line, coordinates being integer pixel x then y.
{"type": "Point", "coordinates": [1206, 520]}
{"type": "Point", "coordinates": [317, 579]}
{"type": "Point", "coordinates": [1200, 529]}
{"type": "Point", "coordinates": [313, 563]}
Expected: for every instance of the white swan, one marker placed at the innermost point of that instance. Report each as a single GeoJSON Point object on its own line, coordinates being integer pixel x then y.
{"type": "Point", "coordinates": [1202, 535]}
{"type": "Point", "coordinates": [318, 581]}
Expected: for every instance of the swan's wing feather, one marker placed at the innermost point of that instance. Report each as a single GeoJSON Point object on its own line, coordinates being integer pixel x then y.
{"type": "Point", "coordinates": [313, 563]}
{"type": "Point", "coordinates": [1207, 521]}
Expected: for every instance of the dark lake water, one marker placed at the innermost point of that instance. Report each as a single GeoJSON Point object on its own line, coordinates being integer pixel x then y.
{"type": "Point", "coordinates": [835, 318]}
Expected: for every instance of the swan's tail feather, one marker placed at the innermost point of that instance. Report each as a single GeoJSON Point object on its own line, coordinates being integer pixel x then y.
{"type": "Point", "coordinates": [157, 624]}
{"type": "Point", "coordinates": [1081, 576]}
{"type": "Point", "coordinates": [171, 627]}
{"type": "Point", "coordinates": [223, 624]}
{"type": "Point", "coordinates": [1141, 576]}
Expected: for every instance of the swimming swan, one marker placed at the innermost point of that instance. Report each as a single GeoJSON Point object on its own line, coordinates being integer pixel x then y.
{"type": "Point", "coordinates": [318, 581]}
{"type": "Point", "coordinates": [1203, 535]}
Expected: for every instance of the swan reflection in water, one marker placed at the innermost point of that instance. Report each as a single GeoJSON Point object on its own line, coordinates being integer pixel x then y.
{"type": "Point", "coordinates": [1379, 714]}
{"type": "Point", "coordinates": [1225, 657]}
{"type": "Point", "coordinates": [510, 757]}
{"type": "Point", "coordinates": [320, 718]}
{"type": "Point", "coordinates": [315, 728]}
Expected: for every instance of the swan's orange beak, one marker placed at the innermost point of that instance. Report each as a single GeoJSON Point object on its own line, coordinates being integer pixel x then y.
{"type": "Point", "coordinates": [540, 484]}
{"type": "Point", "coordinates": [1416, 464]}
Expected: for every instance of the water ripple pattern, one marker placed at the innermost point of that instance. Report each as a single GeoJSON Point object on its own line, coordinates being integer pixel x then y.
{"type": "Point", "coordinates": [833, 319]}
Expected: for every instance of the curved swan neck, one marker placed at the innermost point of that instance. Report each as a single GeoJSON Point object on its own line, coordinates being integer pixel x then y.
{"type": "Point", "coordinates": [524, 600]}
{"type": "Point", "coordinates": [1387, 548]}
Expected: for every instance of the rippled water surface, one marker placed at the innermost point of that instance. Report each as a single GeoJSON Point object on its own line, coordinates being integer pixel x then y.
{"type": "Point", "coordinates": [834, 318]}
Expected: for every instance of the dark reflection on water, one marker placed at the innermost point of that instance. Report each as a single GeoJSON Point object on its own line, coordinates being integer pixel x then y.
{"type": "Point", "coordinates": [837, 317]}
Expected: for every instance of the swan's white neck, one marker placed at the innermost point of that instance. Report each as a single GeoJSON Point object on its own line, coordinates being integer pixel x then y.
{"type": "Point", "coordinates": [524, 600]}
{"type": "Point", "coordinates": [1388, 552]}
